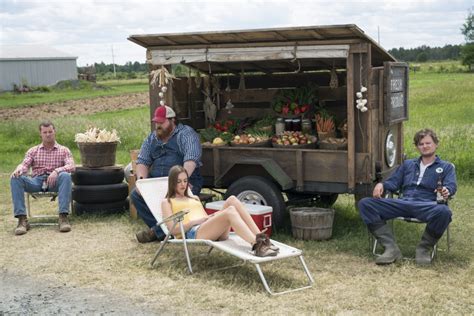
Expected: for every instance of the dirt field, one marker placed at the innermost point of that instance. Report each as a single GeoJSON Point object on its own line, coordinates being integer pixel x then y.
{"type": "Point", "coordinates": [76, 107]}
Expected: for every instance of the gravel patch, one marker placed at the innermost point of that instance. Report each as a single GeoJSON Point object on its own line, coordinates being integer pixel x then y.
{"type": "Point", "coordinates": [27, 296]}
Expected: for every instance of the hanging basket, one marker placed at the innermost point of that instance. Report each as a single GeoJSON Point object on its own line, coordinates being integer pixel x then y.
{"type": "Point", "coordinates": [95, 155]}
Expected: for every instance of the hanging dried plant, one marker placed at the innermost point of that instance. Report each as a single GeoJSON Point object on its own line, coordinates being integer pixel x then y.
{"type": "Point", "coordinates": [161, 77]}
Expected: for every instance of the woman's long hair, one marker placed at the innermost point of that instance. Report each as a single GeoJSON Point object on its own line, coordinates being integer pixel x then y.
{"type": "Point", "coordinates": [175, 171]}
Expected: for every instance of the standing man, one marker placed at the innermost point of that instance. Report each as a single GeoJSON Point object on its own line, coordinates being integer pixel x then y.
{"type": "Point", "coordinates": [51, 166]}
{"type": "Point", "coordinates": [170, 144]}
{"type": "Point", "coordinates": [417, 180]}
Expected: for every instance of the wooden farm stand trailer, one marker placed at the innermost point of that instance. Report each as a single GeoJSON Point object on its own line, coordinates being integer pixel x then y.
{"type": "Point", "coordinates": [288, 58]}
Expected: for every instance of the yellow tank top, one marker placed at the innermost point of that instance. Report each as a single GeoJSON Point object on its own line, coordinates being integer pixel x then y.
{"type": "Point", "coordinates": [197, 211]}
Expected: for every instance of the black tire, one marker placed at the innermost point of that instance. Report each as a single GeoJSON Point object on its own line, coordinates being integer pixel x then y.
{"type": "Point", "coordinates": [258, 190]}
{"type": "Point", "coordinates": [88, 176]}
{"type": "Point", "coordinates": [104, 208]}
{"type": "Point", "coordinates": [100, 194]}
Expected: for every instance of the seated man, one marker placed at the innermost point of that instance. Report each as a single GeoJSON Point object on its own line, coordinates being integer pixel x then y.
{"type": "Point", "coordinates": [170, 144]}
{"type": "Point", "coordinates": [416, 179]}
{"type": "Point", "coordinates": [51, 166]}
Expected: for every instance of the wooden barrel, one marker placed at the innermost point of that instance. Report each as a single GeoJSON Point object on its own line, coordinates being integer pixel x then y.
{"type": "Point", "coordinates": [94, 155]}
{"type": "Point", "coordinates": [312, 223]}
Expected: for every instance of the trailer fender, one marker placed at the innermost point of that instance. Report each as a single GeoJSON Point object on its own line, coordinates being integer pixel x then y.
{"type": "Point", "coordinates": [255, 167]}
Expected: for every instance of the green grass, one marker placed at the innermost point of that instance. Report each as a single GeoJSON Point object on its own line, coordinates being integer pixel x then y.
{"type": "Point", "coordinates": [445, 103]}
{"type": "Point", "coordinates": [112, 87]}
{"type": "Point", "coordinates": [440, 66]}
{"type": "Point", "coordinates": [132, 126]}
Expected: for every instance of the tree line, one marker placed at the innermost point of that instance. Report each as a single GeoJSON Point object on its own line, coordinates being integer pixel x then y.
{"type": "Point", "coordinates": [426, 53]}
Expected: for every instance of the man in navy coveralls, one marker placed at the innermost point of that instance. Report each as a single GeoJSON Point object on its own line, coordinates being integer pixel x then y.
{"type": "Point", "coordinates": [416, 180]}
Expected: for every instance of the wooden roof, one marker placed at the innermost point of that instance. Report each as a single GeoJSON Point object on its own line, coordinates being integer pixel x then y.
{"type": "Point", "coordinates": [308, 35]}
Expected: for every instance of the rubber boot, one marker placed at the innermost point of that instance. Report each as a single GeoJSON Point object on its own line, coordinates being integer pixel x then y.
{"type": "Point", "coordinates": [425, 248]}
{"type": "Point", "coordinates": [391, 253]}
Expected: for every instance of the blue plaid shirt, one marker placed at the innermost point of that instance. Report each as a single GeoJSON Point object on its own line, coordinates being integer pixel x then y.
{"type": "Point", "coordinates": [188, 144]}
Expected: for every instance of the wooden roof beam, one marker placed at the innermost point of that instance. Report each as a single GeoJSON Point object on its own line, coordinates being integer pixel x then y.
{"type": "Point", "coordinates": [200, 39]}
{"type": "Point", "coordinates": [262, 69]}
{"type": "Point", "coordinates": [238, 38]}
{"type": "Point", "coordinates": [167, 40]}
{"type": "Point", "coordinates": [279, 36]}
{"type": "Point", "coordinates": [315, 34]}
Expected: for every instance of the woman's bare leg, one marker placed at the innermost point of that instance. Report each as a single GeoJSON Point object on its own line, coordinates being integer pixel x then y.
{"type": "Point", "coordinates": [233, 201]}
{"type": "Point", "coordinates": [217, 226]}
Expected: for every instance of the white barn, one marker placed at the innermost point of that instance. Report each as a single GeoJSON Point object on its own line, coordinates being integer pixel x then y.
{"type": "Point", "coordinates": [34, 66]}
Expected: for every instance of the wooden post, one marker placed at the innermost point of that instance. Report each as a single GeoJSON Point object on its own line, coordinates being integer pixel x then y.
{"type": "Point", "coordinates": [350, 123]}
{"type": "Point", "coordinates": [131, 182]}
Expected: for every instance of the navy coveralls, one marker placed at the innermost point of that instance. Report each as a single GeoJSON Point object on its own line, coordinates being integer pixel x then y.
{"type": "Point", "coordinates": [417, 200]}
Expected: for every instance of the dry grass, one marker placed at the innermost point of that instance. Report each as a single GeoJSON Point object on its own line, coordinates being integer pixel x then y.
{"type": "Point", "coordinates": [101, 253]}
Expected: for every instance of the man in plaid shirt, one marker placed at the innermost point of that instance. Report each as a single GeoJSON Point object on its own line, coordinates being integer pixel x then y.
{"type": "Point", "coordinates": [51, 166]}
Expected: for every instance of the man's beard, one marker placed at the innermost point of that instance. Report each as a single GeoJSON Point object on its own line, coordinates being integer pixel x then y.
{"type": "Point", "coordinates": [163, 133]}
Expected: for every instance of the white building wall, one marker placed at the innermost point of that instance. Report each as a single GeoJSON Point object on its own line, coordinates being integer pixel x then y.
{"type": "Point", "coordinates": [41, 72]}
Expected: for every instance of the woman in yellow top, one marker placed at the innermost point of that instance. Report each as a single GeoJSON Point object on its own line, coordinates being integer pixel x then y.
{"type": "Point", "coordinates": [198, 225]}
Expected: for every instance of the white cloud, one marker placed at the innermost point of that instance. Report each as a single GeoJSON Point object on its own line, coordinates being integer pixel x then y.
{"type": "Point", "coordinates": [89, 28]}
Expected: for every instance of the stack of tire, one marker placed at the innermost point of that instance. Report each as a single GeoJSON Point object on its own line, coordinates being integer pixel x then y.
{"type": "Point", "coordinates": [99, 190]}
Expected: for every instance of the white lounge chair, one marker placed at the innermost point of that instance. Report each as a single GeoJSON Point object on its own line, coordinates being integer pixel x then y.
{"type": "Point", "coordinates": [154, 190]}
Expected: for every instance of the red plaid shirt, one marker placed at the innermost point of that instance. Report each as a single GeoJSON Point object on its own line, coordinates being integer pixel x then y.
{"type": "Point", "coordinates": [43, 160]}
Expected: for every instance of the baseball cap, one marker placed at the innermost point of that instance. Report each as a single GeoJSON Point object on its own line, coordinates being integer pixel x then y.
{"type": "Point", "coordinates": [162, 113]}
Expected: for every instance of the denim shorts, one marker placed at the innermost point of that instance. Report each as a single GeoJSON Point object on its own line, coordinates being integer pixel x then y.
{"type": "Point", "coordinates": [191, 234]}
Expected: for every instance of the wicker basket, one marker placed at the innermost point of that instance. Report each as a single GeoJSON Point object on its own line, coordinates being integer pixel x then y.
{"type": "Point", "coordinates": [340, 144]}
{"type": "Point", "coordinates": [302, 146]}
{"type": "Point", "coordinates": [265, 143]}
{"type": "Point", "coordinates": [324, 135]}
{"type": "Point", "coordinates": [312, 223]}
{"type": "Point", "coordinates": [95, 155]}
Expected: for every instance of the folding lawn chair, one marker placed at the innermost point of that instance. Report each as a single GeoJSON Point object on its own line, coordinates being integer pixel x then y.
{"type": "Point", "coordinates": [154, 190]}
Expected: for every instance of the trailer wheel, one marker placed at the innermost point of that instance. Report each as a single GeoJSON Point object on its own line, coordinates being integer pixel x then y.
{"type": "Point", "coordinates": [260, 191]}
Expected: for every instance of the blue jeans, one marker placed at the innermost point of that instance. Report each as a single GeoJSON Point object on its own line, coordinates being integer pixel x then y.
{"type": "Point", "coordinates": [145, 214]}
{"type": "Point", "coordinates": [24, 184]}
{"type": "Point", "coordinates": [376, 211]}
{"type": "Point", "coordinates": [192, 232]}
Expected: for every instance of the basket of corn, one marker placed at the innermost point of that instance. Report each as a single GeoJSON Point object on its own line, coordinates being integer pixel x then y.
{"type": "Point", "coordinates": [97, 147]}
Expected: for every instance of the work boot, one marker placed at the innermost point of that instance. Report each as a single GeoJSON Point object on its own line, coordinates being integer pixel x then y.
{"type": "Point", "coordinates": [64, 225]}
{"type": "Point", "coordinates": [23, 225]}
{"type": "Point", "coordinates": [262, 246]}
{"type": "Point", "coordinates": [267, 240]}
{"type": "Point", "coordinates": [425, 248]}
{"type": "Point", "coordinates": [391, 253]}
{"type": "Point", "coordinates": [145, 236]}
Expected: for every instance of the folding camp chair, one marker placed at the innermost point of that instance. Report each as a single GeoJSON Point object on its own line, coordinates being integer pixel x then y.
{"type": "Point", "coordinates": [373, 241]}
{"type": "Point", "coordinates": [154, 190]}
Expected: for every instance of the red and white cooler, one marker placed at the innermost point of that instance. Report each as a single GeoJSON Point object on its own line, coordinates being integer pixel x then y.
{"type": "Point", "coordinates": [261, 214]}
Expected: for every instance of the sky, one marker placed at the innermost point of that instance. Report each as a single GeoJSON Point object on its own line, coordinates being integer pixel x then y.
{"type": "Point", "coordinates": [97, 30]}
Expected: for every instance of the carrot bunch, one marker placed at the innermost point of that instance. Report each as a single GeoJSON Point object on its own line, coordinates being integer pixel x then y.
{"type": "Point", "coordinates": [324, 124]}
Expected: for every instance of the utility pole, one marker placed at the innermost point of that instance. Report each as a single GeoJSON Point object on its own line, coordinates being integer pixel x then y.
{"type": "Point", "coordinates": [113, 61]}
